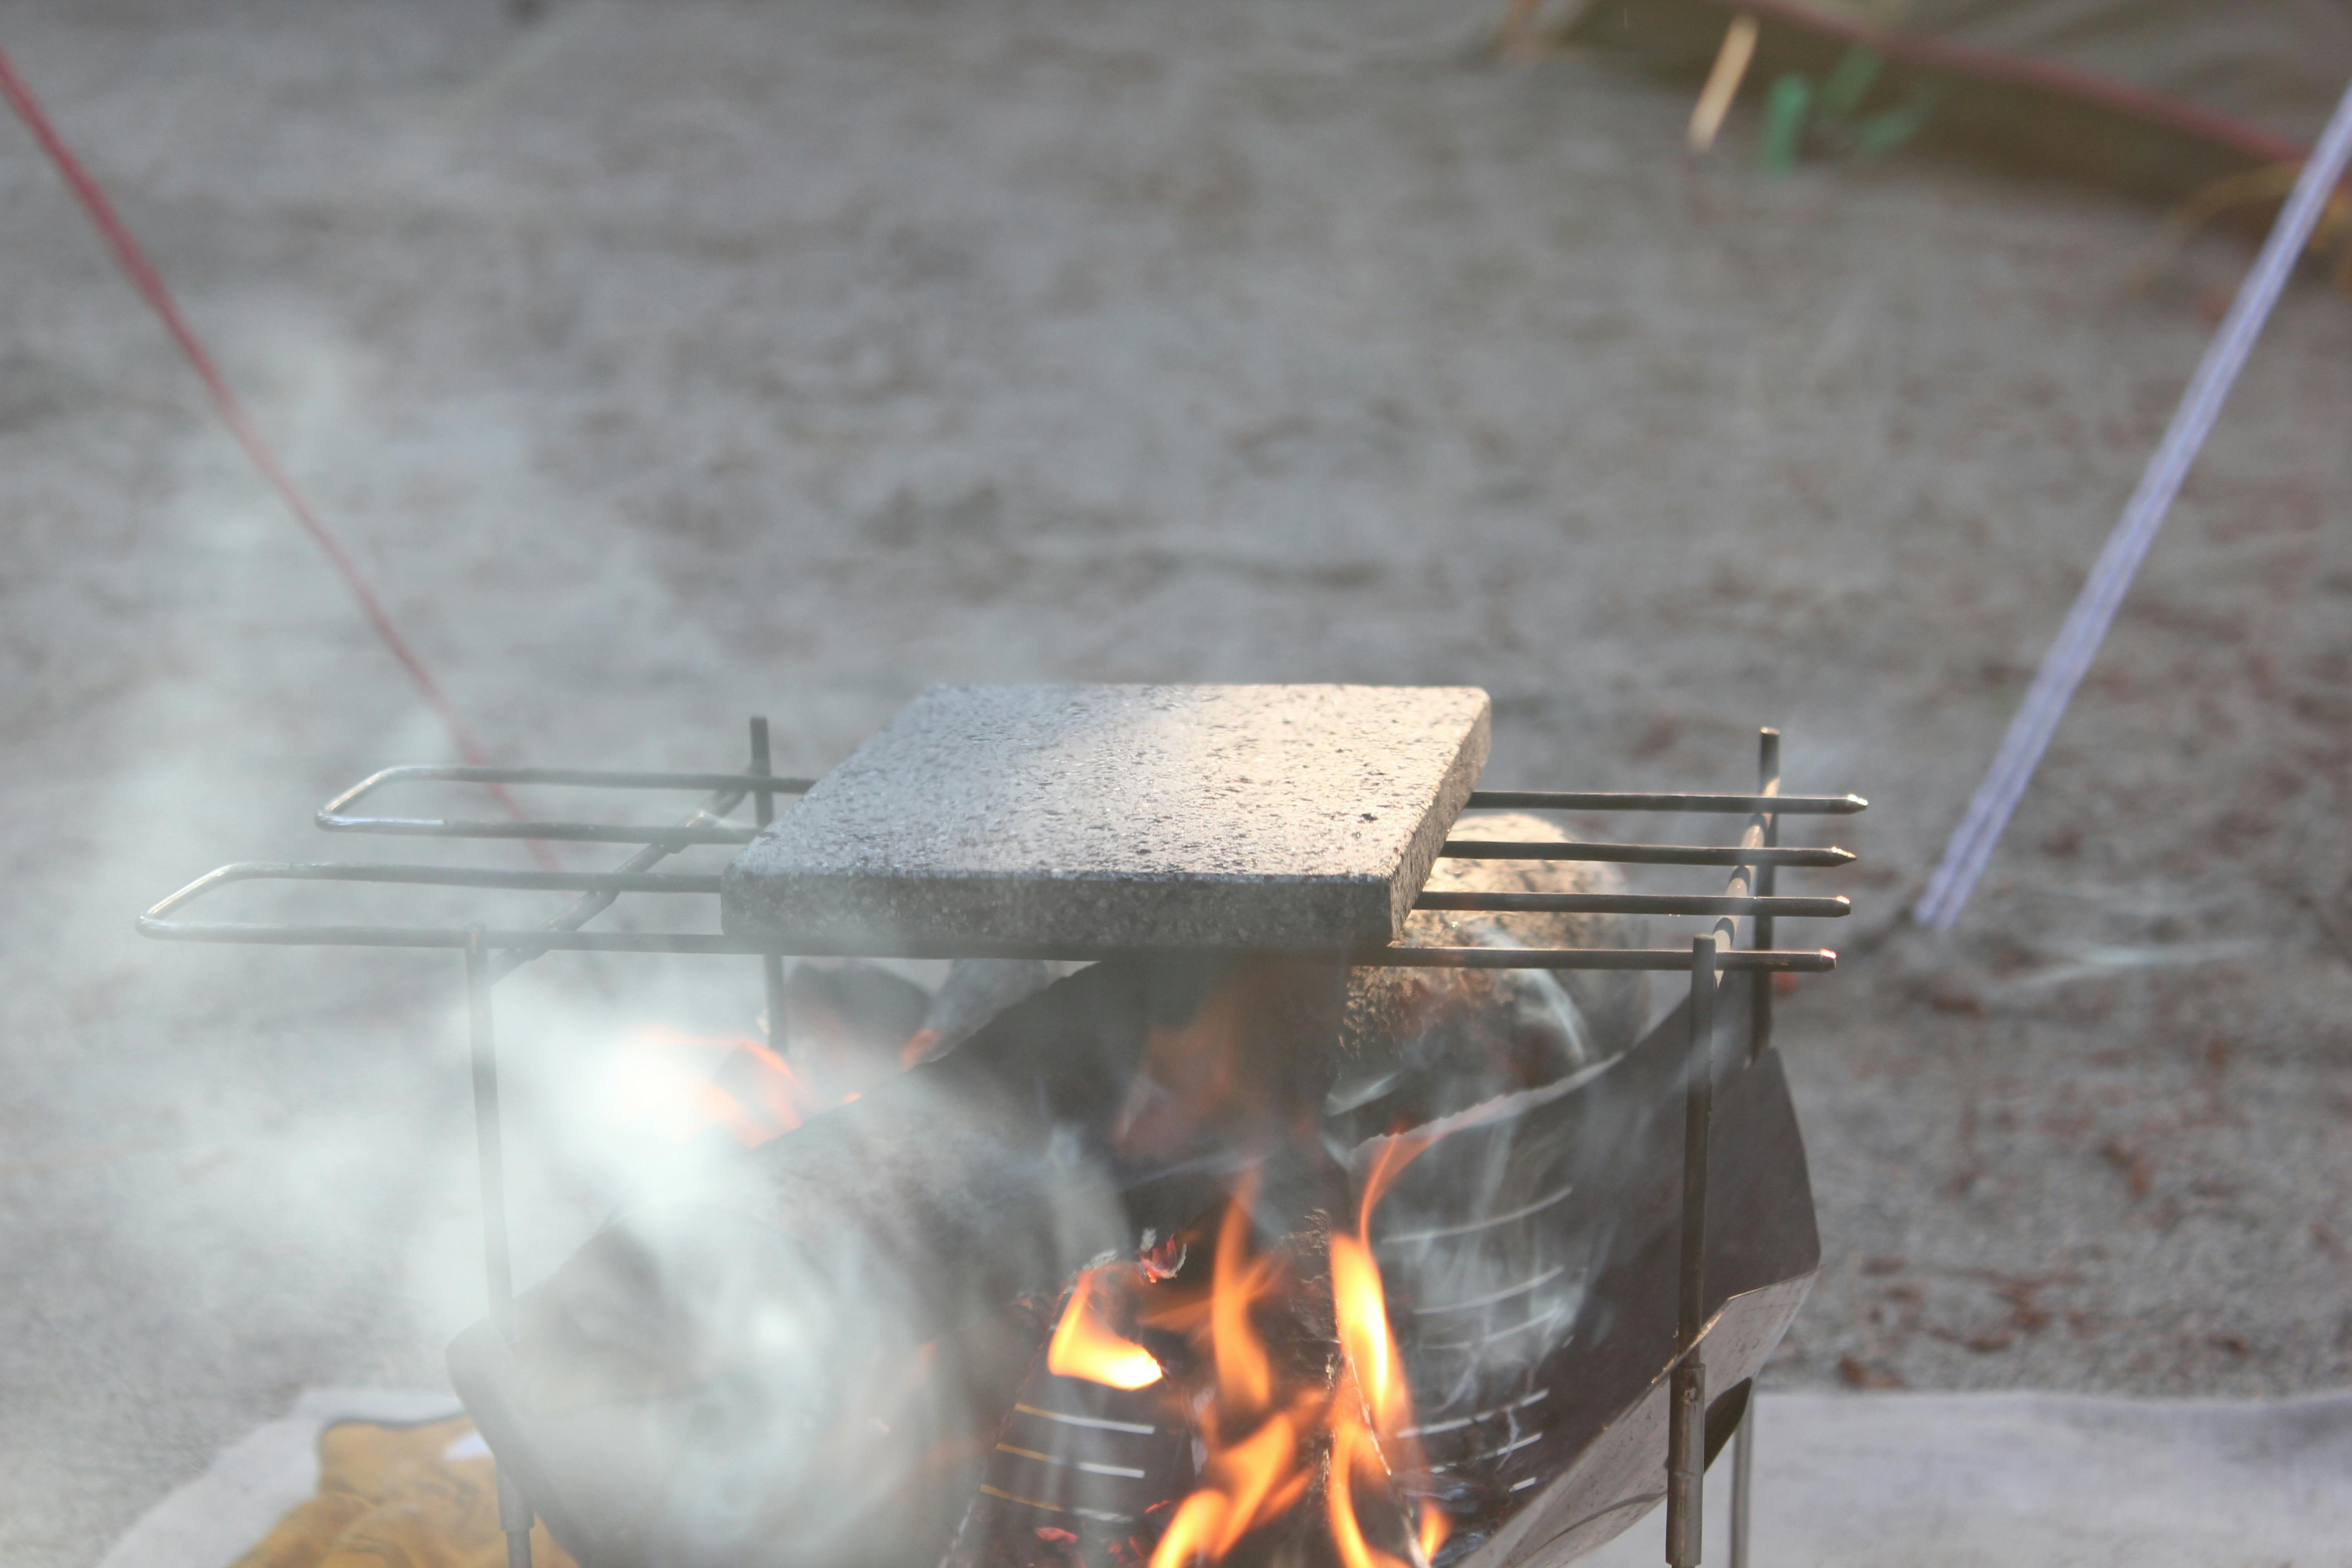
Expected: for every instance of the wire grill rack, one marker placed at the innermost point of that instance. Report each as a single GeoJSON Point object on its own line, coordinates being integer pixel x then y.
{"type": "Point", "coordinates": [1749, 895]}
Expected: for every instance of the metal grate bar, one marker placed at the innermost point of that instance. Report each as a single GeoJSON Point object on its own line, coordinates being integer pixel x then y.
{"type": "Point", "coordinates": [1643, 853]}
{"type": "Point", "coordinates": [337, 817]}
{"type": "Point", "coordinates": [567, 832]}
{"type": "Point", "coordinates": [592, 778]}
{"type": "Point", "coordinates": [438, 877]}
{"type": "Point", "coordinates": [1610, 800]}
{"type": "Point", "coordinates": [1812, 959]}
{"type": "Point", "coordinates": [1761, 908]}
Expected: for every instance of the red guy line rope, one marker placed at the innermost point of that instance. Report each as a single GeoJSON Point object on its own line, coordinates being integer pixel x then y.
{"type": "Point", "coordinates": [225, 402]}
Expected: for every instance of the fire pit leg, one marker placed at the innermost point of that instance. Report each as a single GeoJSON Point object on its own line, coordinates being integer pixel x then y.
{"type": "Point", "coordinates": [514, 1513]}
{"type": "Point", "coordinates": [1768, 782]}
{"type": "Point", "coordinates": [514, 1522]}
{"type": "Point", "coordinates": [1743, 1476]}
{"type": "Point", "coordinates": [1759, 1040]}
{"type": "Point", "coordinates": [763, 811]}
{"type": "Point", "coordinates": [1686, 1413]}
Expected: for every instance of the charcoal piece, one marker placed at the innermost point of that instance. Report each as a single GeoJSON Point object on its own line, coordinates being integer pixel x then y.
{"type": "Point", "coordinates": [1121, 816]}
{"type": "Point", "coordinates": [799, 1364]}
{"type": "Point", "coordinates": [1420, 1044]}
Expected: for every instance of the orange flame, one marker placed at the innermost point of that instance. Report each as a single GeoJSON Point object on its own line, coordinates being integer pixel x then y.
{"type": "Point", "coordinates": [1261, 1435]}
{"type": "Point", "coordinates": [1256, 1469]}
{"type": "Point", "coordinates": [1244, 1380]}
{"type": "Point", "coordinates": [1085, 1346]}
{"type": "Point", "coordinates": [1354, 1452]}
{"type": "Point", "coordinates": [1435, 1528]}
{"type": "Point", "coordinates": [1361, 1307]}
{"type": "Point", "coordinates": [1396, 1152]}
{"type": "Point", "coordinates": [1244, 1484]}
{"type": "Point", "coordinates": [1360, 1304]}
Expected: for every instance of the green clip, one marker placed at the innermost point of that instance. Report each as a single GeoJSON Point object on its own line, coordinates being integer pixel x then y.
{"type": "Point", "coordinates": [1786, 108]}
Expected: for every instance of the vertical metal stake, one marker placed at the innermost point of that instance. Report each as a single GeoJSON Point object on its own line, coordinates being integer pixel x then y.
{"type": "Point", "coordinates": [1743, 1478]}
{"type": "Point", "coordinates": [1759, 1040]}
{"type": "Point", "coordinates": [763, 808]}
{"type": "Point", "coordinates": [1768, 782]}
{"type": "Point", "coordinates": [1686, 1410]}
{"type": "Point", "coordinates": [514, 1513]}
{"type": "Point", "coordinates": [487, 1141]}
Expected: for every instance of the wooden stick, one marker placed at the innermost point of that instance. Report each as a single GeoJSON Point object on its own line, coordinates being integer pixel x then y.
{"type": "Point", "coordinates": [1723, 81]}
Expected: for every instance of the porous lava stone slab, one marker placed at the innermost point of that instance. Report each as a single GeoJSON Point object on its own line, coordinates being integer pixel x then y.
{"type": "Point", "coordinates": [1121, 816]}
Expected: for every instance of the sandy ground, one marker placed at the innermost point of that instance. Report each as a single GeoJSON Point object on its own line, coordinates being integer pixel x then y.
{"type": "Point", "coordinates": [665, 362]}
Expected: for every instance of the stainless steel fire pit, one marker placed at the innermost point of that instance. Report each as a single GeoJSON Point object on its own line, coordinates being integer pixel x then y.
{"type": "Point", "coordinates": [1634, 1264]}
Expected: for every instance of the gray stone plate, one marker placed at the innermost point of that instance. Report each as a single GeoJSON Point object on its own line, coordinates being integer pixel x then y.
{"type": "Point", "coordinates": [1107, 817]}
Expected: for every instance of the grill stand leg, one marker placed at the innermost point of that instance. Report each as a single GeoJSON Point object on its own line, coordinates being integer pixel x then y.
{"type": "Point", "coordinates": [1743, 1441]}
{"type": "Point", "coordinates": [771, 965]}
{"type": "Point", "coordinates": [1687, 1412]}
{"type": "Point", "coordinates": [514, 1513]}
{"type": "Point", "coordinates": [1743, 1474]}
{"type": "Point", "coordinates": [1768, 782]}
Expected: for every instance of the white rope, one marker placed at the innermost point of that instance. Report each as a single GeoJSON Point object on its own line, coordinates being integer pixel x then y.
{"type": "Point", "coordinates": [2069, 659]}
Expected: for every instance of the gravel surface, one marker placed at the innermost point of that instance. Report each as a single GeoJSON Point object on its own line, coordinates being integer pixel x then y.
{"type": "Point", "coordinates": [666, 362]}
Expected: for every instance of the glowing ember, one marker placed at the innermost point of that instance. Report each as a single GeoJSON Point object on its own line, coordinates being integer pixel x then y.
{"type": "Point", "coordinates": [1085, 1346]}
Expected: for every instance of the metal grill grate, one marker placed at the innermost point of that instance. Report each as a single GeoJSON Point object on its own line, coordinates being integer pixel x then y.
{"type": "Point", "coordinates": [1752, 858]}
